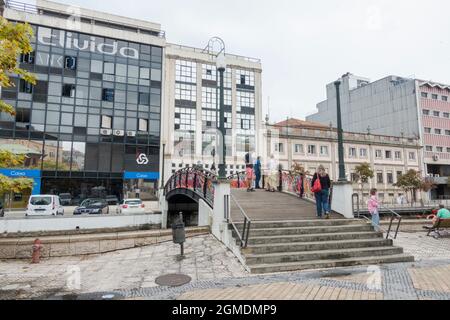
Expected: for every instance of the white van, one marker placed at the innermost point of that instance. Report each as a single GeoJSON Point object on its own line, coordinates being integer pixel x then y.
{"type": "Point", "coordinates": [44, 205]}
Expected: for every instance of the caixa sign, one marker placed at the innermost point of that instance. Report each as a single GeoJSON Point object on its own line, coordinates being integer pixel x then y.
{"type": "Point", "coordinates": [141, 175]}
{"type": "Point", "coordinates": [13, 173]}
{"type": "Point", "coordinates": [86, 45]}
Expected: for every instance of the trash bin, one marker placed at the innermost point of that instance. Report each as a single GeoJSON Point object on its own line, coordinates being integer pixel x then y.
{"type": "Point", "coordinates": [178, 230]}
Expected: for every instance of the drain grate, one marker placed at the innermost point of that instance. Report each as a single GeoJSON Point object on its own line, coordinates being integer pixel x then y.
{"type": "Point", "coordinates": [336, 274]}
{"type": "Point", "coordinates": [173, 280]}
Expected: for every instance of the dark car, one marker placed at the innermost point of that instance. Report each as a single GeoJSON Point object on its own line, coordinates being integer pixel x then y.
{"type": "Point", "coordinates": [112, 200]}
{"type": "Point", "coordinates": [92, 206]}
{"type": "Point", "coordinates": [2, 210]}
{"type": "Point", "coordinates": [65, 199]}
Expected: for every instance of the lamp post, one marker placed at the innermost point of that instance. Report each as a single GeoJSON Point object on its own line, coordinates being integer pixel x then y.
{"type": "Point", "coordinates": [221, 66]}
{"type": "Point", "coordinates": [342, 176]}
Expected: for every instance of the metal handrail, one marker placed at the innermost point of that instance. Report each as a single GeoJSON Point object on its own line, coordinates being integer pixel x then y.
{"type": "Point", "coordinates": [243, 238]}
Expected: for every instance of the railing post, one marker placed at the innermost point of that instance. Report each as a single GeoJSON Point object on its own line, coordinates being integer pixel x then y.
{"type": "Point", "coordinates": [238, 180]}
{"type": "Point", "coordinates": [195, 182]}
{"type": "Point", "coordinates": [280, 181]}
{"type": "Point", "coordinates": [205, 186]}
{"type": "Point", "coordinates": [243, 232]}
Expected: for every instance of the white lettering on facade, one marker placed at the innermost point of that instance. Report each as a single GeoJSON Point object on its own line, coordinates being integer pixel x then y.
{"type": "Point", "coordinates": [104, 48]}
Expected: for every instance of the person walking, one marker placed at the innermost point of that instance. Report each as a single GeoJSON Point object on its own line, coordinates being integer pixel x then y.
{"type": "Point", "coordinates": [372, 206]}
{"type": "Point", "coordinates": [249, 172]}
{"type": "Point", "coordinates": [257, 169]}
{"type": "Point", "coordinates": [320, 185]}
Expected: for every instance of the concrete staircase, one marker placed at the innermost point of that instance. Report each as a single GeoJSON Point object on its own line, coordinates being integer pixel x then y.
{"type": "Point", "coordinates": [276, 246]}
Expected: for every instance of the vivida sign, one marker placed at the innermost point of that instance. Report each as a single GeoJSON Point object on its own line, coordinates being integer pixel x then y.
{"type": "Point", "coordinates": [70, 42]}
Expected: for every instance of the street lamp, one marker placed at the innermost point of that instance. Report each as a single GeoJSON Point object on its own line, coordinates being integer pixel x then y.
{"type": "Point", "coordinates": [221, 67]}
{"type": "Point", "coordinates": [342, 176]}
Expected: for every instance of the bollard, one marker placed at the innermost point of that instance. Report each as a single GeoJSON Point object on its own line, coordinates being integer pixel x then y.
{"type": "Point", "coordinates": [36, 257]}
{"type": "Point", "coordinates": [179, 233]}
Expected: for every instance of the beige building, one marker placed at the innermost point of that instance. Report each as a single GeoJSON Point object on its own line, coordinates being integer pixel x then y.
{"type": "Point", "coordinates": [310, 145]}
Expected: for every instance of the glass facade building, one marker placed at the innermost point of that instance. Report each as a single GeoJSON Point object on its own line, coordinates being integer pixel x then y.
{"type": "Point", "coordinates": [91, 125]}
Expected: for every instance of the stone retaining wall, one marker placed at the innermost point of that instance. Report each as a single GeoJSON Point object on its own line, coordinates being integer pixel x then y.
{"type": "Point", "coordinates": [75, 245]}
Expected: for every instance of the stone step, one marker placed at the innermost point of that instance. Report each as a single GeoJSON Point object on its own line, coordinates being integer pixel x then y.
{"type": "Point", "coordinates": [286, 257]}
{"type": "Point", "coordinates": [310, 230]}
{"type": "Point", "coordinates": [330, 263]}
{"type": "Point", "coordinates": [314, 237]}
{"type": "Point", "coordinates": [302, 223]}
{"type": "Point", "coordinates": [316, 246]}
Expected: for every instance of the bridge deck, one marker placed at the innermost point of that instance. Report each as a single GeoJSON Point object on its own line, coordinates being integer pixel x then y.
{"type": "Point", "coordinates": [267, 206]}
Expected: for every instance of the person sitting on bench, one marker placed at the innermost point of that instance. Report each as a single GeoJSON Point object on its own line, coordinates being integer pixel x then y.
{"type": "Point", "coordinates": [443, 213]}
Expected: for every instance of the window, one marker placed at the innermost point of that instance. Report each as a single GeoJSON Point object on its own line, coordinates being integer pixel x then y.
{"type": "Point", "coordinates": [245, 124]}
{"type": "Point", "coordinates": [446, 115]}
{"type": "Point", "coordinates": [427, 130]}
{"type": "Point", "coordinates": [424, 95]}
{"type": "Point", "coordinates": [363, 153]}
{"type": "Point", "coordinates": [279, 147]}
{"type": "Point", "coordinates": [108, 95]}
{"type": "Point", "coordinates": [399, 174]}
{"type": "Point", "coordinates": [439, 149]}
{"type": "Point", "coordinates": [398, 155]}
{"type": "Point", "coordinates": [444, 98]}
{"type": "Point", "coordinates": [25, 87]}
{"type": "Point", "coordinates": [109, 68]}
{"type": "Point", "coordinates": [186, 71]}
{"type": "Point", "coordinates": [185, 92]}
{"type": "Point", "coordinates": [352, 152]}
{"type": "Point", "coordinates": [324, 150]}
{"type": "Point", "coordinates": [312, 149]}
{"type": "Point", "coordinates": [354, 177]}
{"type": "Point", "coordinates": [434, 96]}
{"type": "Point", "coordinates": [390, 178]}
{"type": "Point", "coordinates": [380, 177]}
{"type": "Point", "coordinates": [378, 154]}
{"type": "Point", "coordinates": [96, 66]}
{"type": "Point", "coordinates": [436, 114]}
{"type": "Point", "coordinates": [143, 125]}
{"type": "Point", "coordinates": [437, 131]}
{"type": "Point", "coordinates": [388, 154]}
{"type": "Point", "coordinates": [106, 122]}
{"type": "Point", "coordinates": [298, 148]}
{"type": "Point", "coordinates": [429, 148]}
{"type": "Point", "coordinates": [447, 132]}
{"type": "Point", "coordinates": [448, 150]}
{"type": "Point", "coordinates": [28, 58]}
{"type": "Point", "coordinates": [144, 98]}
{"type": "Point", "coordinates": [426, 112]}
{"type": "Point", "coordinates": [23, 115]}
{"type": "Point", "coordinates": [412, 156]}
{"type": "Point", "coordinates": [68, 90]}
{"type": "Point", "coordinates": [70, 63]}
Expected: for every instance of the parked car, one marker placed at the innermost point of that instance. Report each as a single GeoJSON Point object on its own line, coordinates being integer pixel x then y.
{"type": "Point", "coordinates": [66, 199]}
{"type": "Point", "coordinates": [92, 206]}
{"type": "Point", "coordinates": [131, 206]}
{"type": "Point", "coordinates": [2, 210]}
{"type": "Point", "coordinates": [44, 205]}
{"type": "Point", "coordinates": [112, 200]}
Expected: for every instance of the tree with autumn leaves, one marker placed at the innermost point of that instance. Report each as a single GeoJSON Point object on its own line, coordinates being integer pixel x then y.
{"type": "Point", "coordinates": [15, 39]}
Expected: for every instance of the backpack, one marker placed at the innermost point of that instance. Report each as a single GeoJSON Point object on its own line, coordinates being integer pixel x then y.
{"type": "Point", "coordinates": [317, 186]}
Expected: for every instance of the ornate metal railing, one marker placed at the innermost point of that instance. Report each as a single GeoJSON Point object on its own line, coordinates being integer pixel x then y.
{"type": "Point", "coordinates": [298, 184]}
{"type": "Point", "coordinates": [238, 180]}
{"type": "Point", "coordinates": [200, 181]}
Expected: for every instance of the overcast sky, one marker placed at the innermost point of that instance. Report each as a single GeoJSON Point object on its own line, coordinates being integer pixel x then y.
{"type": "Point", "coordinates": [304, 45]}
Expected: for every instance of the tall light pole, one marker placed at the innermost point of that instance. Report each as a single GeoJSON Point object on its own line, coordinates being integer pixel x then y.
{"type": "Point", "coordinates": [342, 176]}
{"type": "Point", "coordinates": [221, 67]}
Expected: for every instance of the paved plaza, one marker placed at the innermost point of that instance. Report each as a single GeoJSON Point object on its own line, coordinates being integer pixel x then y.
{"type": "Point", "coordinates": [217, 275]}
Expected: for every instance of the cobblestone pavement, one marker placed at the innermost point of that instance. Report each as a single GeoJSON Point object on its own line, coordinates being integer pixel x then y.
{"type": "Point", "coordinates": [217, 275]}
{"type": "Point", "coordinates": [207, 259]}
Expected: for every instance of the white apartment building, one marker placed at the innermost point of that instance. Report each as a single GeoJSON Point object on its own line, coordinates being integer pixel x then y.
{"type": "Point", "coordinates": [311, 144]}
{"type": "Point", "coordinates": [191, 108]}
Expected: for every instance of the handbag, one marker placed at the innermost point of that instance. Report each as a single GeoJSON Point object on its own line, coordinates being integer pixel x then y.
{"type": "Point", "coordinates": [317, 187]}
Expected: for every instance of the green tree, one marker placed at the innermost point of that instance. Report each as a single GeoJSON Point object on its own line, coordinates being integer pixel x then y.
{"type": "Point", "coordinates": [363, 173]}
{"type": "Point", "coordinates": [15, 39]}
{"type": "Point", "coordinates": [411, 182]}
